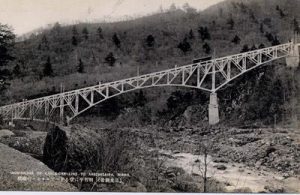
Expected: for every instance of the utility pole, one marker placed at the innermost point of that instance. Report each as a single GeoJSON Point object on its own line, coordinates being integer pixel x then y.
{"type": "Point", "coordinates": [62, 88]}
{"type": "Point", "coordinates": [138, 70]}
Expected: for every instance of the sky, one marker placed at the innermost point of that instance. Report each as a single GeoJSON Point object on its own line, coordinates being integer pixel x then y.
{"type": "Point", "coordinates": [26, 15]}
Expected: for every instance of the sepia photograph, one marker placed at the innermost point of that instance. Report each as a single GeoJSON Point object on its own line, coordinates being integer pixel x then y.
{"type": "Point", "coordinates": [160, 96]}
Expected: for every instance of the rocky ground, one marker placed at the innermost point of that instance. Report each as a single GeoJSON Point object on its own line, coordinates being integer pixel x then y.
{"type": "Point", "coordinates": [162, 159]}
{"type": "Point", "coordinates": [236, 177]}
{"type": "Point", "coordinates": [276, 149]}
{"type": "Point", "coordinates": [262, 154]}
{"type": "Point", "coordinates": [270, 154]}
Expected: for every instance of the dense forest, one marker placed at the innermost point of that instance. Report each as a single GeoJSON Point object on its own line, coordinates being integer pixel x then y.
{"type": "Point", "coordinates": [84, 54]}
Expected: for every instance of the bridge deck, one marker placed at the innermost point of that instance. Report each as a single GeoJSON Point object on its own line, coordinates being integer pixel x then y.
{"type": "Point", "coordinates": [209, 75]}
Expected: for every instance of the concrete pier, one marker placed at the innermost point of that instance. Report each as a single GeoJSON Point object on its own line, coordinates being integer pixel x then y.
{"type": "Point", "coordinates": [213, 109]}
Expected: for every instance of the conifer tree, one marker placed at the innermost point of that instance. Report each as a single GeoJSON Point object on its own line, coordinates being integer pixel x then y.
{"type": "Point", "coordinates": [139, 99]}
{"type": "Point", "coordinates": [261, 46]}
{"type": "Point", "coordinates": [245, 48]}
{"type": "Point", "coordinates": [6, 43]}
{"type": "Point", "coordinates": [110, 59]}
{"type": "Point", "coordinates": [17, 70]}
{"type": "Point", "coordinates": [261, 28]}
{"type": "Point", "coordinates": [85, 33]}
{"type": "Point", "coordinates": [281, 13]}
{"type": "Point", "coordinates": [184, 46]}
{"type": "Point", "coordinates": [44, 43]}
{"type": "Point", "coordinates": [204, 33]}
{"type": "Point", "coordinates": [116, 40]}
{"type": "Point", "coordinates": [231, 23]}
{"type": "Point", "coordinates": [56, 30]}
{"type": "Point", "coordinates": [74, 40]}
{"type": "Point", "coordinates": [206, 48]}
{"type": "Point", "coordinates": [74, 31]}
{"type": "Point", "coordinates": [7, 38]}
{"type": "Point", "coordinates": [99, 32]}
{"type": "Point", "coordinates": [80, 66]}
{"type": "Point", "coordinates": [74, 36]}
{"type": "Point", "coordinates": [191, 34]}
{"type": "Point", "coordinates": [236, 40]}
{"type": "Point", "coordinates": [48, 71]}
{"type": "Point", "coordinates": [296, 26]}
{"type": "Point", "coordinates": [150, 41]}
{"type": "Point", "coordinates": [275, 41]}
{"type": "Point", "coordinates": [269, 36]}
{"type": "Point", "coordinates": [253, 47]}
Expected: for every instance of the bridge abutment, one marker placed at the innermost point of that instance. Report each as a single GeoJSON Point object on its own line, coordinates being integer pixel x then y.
{"type": "Point", "coordinates": [213, 109]}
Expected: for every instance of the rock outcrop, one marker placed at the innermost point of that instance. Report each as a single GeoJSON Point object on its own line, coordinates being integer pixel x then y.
{"type": "Point", "coordinates": [13, 161]}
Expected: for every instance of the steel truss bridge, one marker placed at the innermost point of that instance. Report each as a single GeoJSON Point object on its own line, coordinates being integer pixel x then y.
{"type": "Point", "coordinates": [209, 76]}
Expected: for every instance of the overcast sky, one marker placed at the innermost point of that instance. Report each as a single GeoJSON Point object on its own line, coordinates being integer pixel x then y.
{"type": "Point", "coordinates": [27, 15]}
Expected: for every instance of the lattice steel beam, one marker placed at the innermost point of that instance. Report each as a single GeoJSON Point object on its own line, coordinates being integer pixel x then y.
{"type": "Point", "coordinates": [209, 76]}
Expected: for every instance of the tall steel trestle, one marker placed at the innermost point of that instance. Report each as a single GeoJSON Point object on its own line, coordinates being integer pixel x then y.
{"type": "Point", "coordinates": [209, 76]}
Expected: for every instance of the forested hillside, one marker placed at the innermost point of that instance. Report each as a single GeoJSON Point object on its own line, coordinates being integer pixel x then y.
{"type": "Point", "coordinates": [85, 54]}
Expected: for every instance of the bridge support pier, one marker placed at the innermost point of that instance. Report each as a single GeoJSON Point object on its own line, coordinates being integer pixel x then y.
{"type": "Point", "coordinates": [213, 109]}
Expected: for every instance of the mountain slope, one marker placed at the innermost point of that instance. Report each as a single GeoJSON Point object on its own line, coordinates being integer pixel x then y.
{"type": "Point", "coordinates": [255, 23]}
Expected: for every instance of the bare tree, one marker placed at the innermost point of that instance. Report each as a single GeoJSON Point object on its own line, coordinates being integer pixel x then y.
{"type": "Point", "coordinates": [204, 148]}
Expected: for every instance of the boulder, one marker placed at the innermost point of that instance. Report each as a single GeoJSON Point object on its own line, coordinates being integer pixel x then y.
{"type": "Point", "coordinates": [220, 160]}
{"type": "Point", "coordinates": [30, 142]}
{"type": "Point", "coordinates": [174, 171]}
{"type": "Point", "coordinates": [170, 175]}
{"type": "Point", "coordinates": [274, 189]}
{"type": "Point", "coordinates": [186, 186]}
{"type": "Point", "coordinates": [221, 167]}
{"type": "Point", "coordinates": [12, 161]}
{"type": "Point", "coordinates": [6, 133]}
{"type": "Point", "coordinates": [78, 148]}
{"type": "Point", "coordinates": [242, 190]}
{"type": "Point", "coordinates": [134, 187]}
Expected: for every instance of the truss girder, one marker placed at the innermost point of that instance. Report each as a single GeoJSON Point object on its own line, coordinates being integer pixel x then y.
{"type": "Point", "coordinates": [201, 75]}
